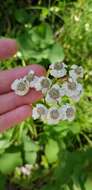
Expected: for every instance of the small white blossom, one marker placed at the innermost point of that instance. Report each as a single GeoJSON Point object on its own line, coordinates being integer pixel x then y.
{"type": "Point", "coordinates": [53, 116]}
{"type": "Point", "coordinates": [67, 112]}
{"type": "Point", "coordinates": [30, 77]}
{"type": "Point", "coordinates": [43, 84]}
{"type": "Point", "coordinates": [54, 94]}
{"type": "Point", "coordinates": [87, 27]}
{"type": "Point", "coordinates": [76, 18]}
{"type": "Point", "coordinates": [20, 86]}
{"type": "Point", "coordinates": [72, 89]}
{"type": "Point", "coordinates": [40, 111]}
{"type": "Point", "coordinates": [76, 72]}
{"type": "Point", "coordinates": [18, 54]}
{"type": "Point", "coordinates": [26, 170]}
{"type": "Point", "coordinates": [29, 166]}
{"type": "Point", "coordinates": [58, 69]}
{"type": "Point", "coordinates": [34, 82]}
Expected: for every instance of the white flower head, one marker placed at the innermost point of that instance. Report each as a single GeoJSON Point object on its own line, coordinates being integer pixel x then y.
{"type": "Point", "coordinates": [26, 170]}
{"type": "Point", "coordinates": [73, 89]}
{"type": "Point", "coordinates": [40, 111]}
{"type": "Point", "coordinates": [58, 69]}
{"type": "Point", "coordinates": [76, 72]}
{"type": "Point", "coordinates": [20, 86]}
{"type": "Point", "coordinates": [53, 116]}
{"type": "Point", "coordinates": [30, 77]}
{"type": "Point", "coordinates": [43, 84]}
{"type": "Point", "coordinates": [54, 94]}
{"type": "Point", "coordinates": [67, 112]}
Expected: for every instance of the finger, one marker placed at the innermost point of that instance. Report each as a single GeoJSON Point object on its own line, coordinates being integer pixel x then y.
{"type": "Point", "coordinates": [7, 77]}
{"type": "Point", "coordinates": [11, 101]}
{"type": "Point", "coordinates": [8, 48]}
{"type": "Point", "coordinates": [14, 117]}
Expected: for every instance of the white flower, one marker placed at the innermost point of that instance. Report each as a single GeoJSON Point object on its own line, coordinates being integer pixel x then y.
{"type": "Point", "coordinates": [54, 94]}
{"type": "Point", "coordinates": [26, 170]}
{"type": "Point", "coordinates": [43, 84]}
{"type": "Point", "coordinates": [76, 18]}
{"type": "Point", "coordinates": [58, 69]}
{"type": "Point", "coordinates": [34, 81]}
{"type": "Point", "coordinates": [20, 86]}
{"type": "Point", "coordinates": [18, 54]}
{"type": "Point", "coordinates": [53, 116]}
{"type": "Point", "coordinates": [76, 72]}
{"type": "Point", "coordinates": [87, 27]}
{"type": "Point", "coordinates": [29, 166]}
{"type": "Point", "coordinates": [40, 111]}
{"type": "Point", "coordinates": [67, 112]}
{"type": "Point", "coordinates": [30, 77]}
{"type": "Point", "coordinates": [72, 89]}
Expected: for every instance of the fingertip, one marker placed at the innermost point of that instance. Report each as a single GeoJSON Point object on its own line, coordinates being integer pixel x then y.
{"type": "Point", "coordinates": [8, 48]}
{"type": "Point", "coordinates": [25, 111]}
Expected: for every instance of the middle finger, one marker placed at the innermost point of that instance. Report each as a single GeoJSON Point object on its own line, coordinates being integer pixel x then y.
{"type": "Point", "coordinates": [10, 101]}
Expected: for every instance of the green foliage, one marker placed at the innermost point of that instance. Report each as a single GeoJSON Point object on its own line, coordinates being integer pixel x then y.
{"type": "Point", "coordinates": [72, 171]}
{"type": "Point", "coordinates": [9, 161]}
{"type": "Point", "coordinates": [49, 31]}
{"type": "Point", "coordinates": [76, 36]}
{"type": "Point", "coordinates": [30, 151]}
{"type": "Point", "coordinates": [2, 182]}
{"type": "Point", "coordinates": [37, 44]}
{"type": "Point", "coordinates": [51, 151]}
{"type": "Point", "coordinates": [21, 16]}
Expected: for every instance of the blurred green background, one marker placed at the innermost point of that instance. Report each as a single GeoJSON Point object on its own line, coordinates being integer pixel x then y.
{"type": "Point", "coordinates": [50, 30]}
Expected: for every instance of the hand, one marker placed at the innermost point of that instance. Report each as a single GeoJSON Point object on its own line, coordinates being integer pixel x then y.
{"type": "Point", "coordinates": [13, 108]}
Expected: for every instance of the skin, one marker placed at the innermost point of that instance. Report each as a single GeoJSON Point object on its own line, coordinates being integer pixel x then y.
{"type": "Point", "coordinates": [13, 108]}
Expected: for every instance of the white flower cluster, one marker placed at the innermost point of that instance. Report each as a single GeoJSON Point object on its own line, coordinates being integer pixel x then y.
{"type": "Point", "coordinates": [60, 82]}
{"type": "Point", "coordinates": [25, 170]}
{"type": "Point", "coordinates": [54, 114]}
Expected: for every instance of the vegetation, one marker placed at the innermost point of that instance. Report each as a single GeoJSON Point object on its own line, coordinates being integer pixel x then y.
{"type": "Point", "coordinates": [61, 155]}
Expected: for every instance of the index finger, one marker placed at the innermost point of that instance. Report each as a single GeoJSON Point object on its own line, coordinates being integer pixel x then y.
{"type": "Point", "coordinates": [7, 77]}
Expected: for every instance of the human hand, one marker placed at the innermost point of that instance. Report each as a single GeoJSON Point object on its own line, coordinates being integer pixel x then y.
{"type": "Point", "coordinates": [13, 108]}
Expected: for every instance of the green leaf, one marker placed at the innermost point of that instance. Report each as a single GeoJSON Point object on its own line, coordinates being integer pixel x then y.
{"type": "Point", "coordinates": [35, 42]}
{"type": "Point", "coordinates": [21, 15]}
{"type": "Point", "coordinates": [9, 161]}
{"type": "Point", "coordinates": [51, 151]}
{"type": "Point", "coordinates": [48, 34]}
{"type": "Point", "coordinates": [30, 157]}
{"type": "Point", "coordinates": [4, 143]}
{"type": "Point", "coordinates": [42, 34]}
{"type": "Point", "coordinates": [2, 182]}
{"type": "Point", "coordinates": [88, 184]}
{"type": "Point", "coordinates": [30, 146]}
{"type": "Point", "coordinates": [44, 13]}
{"type": "Point", "coordinates": [56, 53]}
